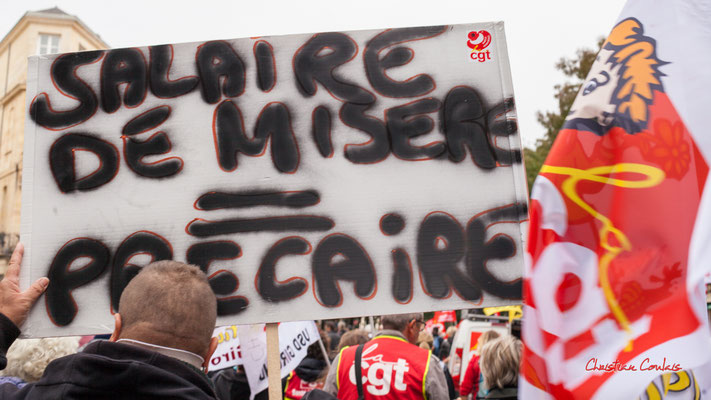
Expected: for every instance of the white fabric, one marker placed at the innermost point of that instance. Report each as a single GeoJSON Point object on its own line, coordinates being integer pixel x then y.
{"type": "Point", "coordinates": [182, 355]}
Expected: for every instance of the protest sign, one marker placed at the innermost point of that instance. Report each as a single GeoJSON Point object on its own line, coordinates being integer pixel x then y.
{"type": "Point", "coordinates": [227, 354]}
{"type": "Point", "coordinates": [294, 340]}
{"type": "Point", "coordinates": [310, 176]}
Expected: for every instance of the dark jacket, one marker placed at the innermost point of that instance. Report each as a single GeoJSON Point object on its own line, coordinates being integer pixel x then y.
{"type": "Point", "coordinates": [507, 393]}
{"type": "Point", "coordinates": [231, 384]}
{"type": "Point", "coordinates": [444, 350]}
{"type": "Point", "coordinates": [108, 370]}
{"type": "Point", "coordinates": [309, 369]}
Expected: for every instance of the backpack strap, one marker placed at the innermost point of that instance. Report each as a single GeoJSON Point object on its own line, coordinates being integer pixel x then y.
{"type": "Point", "coordinates": [359, 372]}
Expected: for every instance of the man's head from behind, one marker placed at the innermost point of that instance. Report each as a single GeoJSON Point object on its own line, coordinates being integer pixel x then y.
{"type": "Point", "coordinates": [409, 324]}
{"type": "Point", "coordinates": [170, 304]}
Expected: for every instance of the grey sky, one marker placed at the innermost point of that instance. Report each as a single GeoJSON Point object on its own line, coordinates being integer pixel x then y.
{"type": "Point", "coordinates": [538, 32]}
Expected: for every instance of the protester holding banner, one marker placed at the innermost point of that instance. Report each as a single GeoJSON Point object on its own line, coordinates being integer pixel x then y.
{"type": "Point", "coordinates": [160, 342]}
{"type": "Point", "coordinates": [415, 372]}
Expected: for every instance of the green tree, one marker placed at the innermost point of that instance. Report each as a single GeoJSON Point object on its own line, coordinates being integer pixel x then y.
{"type": "Point", "coordinates": [576, 69]}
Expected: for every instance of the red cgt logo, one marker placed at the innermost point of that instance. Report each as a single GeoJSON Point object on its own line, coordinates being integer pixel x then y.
{"type": "Point", "coordinates": [478, 41]}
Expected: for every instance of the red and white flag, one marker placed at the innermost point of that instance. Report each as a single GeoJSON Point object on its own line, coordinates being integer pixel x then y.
{"type": "Point", "coordinates": [445, 316]}
{"type": "Point", "coordinates": [620, 229]}
{"type": "Point", "coordinates": [439, 319]}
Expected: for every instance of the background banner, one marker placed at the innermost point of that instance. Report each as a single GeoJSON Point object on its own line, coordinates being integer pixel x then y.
{"type": "Point", "coordinates": [228, 352]}
{"type": "Point", "coordinates": [294, 341]}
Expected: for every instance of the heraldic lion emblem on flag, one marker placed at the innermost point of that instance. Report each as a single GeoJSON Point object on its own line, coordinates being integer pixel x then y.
{"type": "Point", "coordinates": [621, 84]}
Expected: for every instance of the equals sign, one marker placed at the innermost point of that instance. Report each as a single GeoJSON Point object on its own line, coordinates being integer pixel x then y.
{"type": "Point", "coordinates": [293, 199]}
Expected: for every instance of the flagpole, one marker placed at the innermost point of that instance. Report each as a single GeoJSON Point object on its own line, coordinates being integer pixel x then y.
{"type": "Point", "coordinates": [325, 353]}
{"type": "Point", "coordinates": [273, 362]}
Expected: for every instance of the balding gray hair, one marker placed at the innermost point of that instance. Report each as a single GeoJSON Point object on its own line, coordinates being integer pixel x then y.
{"type": "Point", "coordinates": [399, 322]}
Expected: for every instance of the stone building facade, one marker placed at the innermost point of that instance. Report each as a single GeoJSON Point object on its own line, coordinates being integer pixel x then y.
{"type": "Point", "coordinates": [37, 32]}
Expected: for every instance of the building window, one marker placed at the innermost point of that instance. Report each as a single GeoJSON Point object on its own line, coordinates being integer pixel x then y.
{"type": "Point", "coordinates": [48, 44]}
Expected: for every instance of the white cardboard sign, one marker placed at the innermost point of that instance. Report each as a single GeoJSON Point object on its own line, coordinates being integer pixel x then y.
{"type": "Point", "coordinates": [294, 340]}
{"type": "Point", "coordinates": [311, 176]}
{"type": "Point", "coordinates": [228, 352]}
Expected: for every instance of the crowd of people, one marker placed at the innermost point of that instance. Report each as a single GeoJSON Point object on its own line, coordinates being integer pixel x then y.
{"type": "Point", "coordinates": [163, 351]}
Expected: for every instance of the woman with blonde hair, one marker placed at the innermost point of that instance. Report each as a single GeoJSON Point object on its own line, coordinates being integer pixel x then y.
{"type": "Point", "coordinates": [472, 377]}
{"type": "Point", "coordinates": [499, 363]}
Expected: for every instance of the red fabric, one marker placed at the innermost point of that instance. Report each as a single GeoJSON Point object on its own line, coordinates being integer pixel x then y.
{"type": "Point", "coordinates": [648, 280]}
{"type": "Point", "coordinates": [392, 369]}
{"type": "Point", "coordinates": [445, 316]}
{"type": "Point", "coordinates": [296, 388]}
{"type": "Point", "coordinates": [470, 384]}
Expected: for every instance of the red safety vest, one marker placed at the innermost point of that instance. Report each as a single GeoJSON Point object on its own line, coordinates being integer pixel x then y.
{"type": "Point", "coordinates": [296, 387]}
{"type": "Point", "coordinates": [392, 369]}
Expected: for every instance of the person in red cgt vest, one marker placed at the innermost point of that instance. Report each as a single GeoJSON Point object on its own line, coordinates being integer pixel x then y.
{"type": "Point", "coordinates": [392, 366]}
